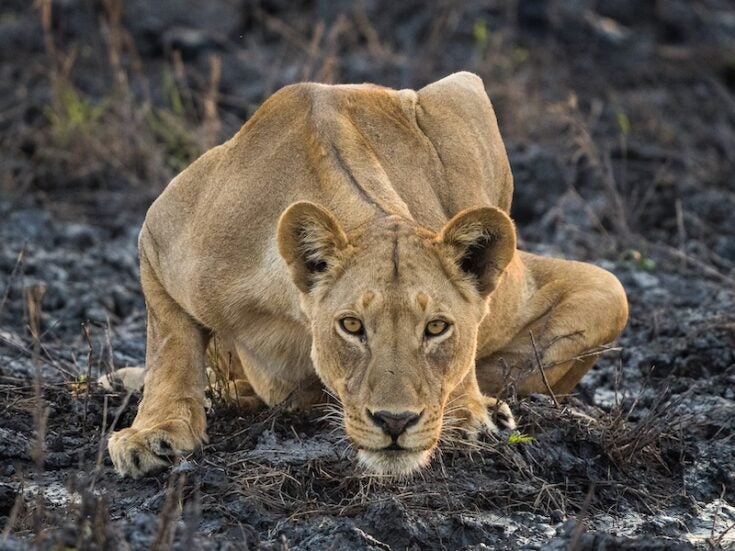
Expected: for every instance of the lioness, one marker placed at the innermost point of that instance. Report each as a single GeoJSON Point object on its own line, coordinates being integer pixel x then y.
{"type": "Point", "coordinates": [358, 237]}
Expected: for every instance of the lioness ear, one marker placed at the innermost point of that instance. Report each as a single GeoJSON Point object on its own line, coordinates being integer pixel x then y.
{"type": "Point", "coordinates": [309, 239]}
{"type": "Point", "coordinates": [483, 241]}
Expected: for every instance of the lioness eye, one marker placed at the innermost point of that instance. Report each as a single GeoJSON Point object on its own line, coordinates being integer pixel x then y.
{"type": "Point", "coordinates": [352, 326]}
{"type": "Point", "coordinates": [435, 328]}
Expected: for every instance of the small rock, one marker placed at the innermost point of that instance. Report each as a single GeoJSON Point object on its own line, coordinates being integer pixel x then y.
{"type": "Point", "coordinates": [15, 445]}
{"type": "Point", "coordinates": [80, 236]}
{"type": "Point", "coordinates": [557, 516]}
{"type": "Point", "coordinates": [214, 479]}
{"type": "Point", "coordinates": [155, 502]}
{"type": "Point", "coordinates": [184, 466]}
{"type": "Point", "coordinates": [189, 41]}
{"type": "Point", "coordinates": [7, 499]}
{"type": "Point", "coordinates": [607, 28]}
{"type": "Point", "coordinates": [644, 280]}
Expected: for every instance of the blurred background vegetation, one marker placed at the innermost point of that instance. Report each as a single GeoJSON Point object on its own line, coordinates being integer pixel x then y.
{"type": "Point", "coordinates": [618, 114]}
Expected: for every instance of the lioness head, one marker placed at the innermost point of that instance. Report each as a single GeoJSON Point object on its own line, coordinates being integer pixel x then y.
{"type": "Point", "coordinates": [394, 312]}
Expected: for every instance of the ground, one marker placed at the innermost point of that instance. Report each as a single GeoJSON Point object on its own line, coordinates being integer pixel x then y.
{"type": "Point", "coordinates": [619, 118]}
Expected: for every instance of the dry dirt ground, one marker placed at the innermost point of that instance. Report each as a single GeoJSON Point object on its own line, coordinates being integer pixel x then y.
{"type": "Point", "coordinates": [619, 117]}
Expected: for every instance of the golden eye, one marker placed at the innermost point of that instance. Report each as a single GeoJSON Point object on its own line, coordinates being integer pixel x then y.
{"type": "Point", "coordinates": [435, 328]}
{"type": "Point", "coordinates": [352, 325]}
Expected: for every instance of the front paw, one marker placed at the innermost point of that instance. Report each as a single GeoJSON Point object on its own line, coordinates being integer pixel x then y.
{"type": "Point", "coordinates": [139, 451]}
{"type": "Point", "coordinates": [482, 415]}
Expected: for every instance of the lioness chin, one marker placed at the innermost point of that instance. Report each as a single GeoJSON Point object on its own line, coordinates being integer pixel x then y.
{"type": "Point", "coordinates": [357, 238]}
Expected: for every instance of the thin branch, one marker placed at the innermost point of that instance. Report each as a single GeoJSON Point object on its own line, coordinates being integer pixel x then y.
{"type": "Point", "coordinates": [541, 369]}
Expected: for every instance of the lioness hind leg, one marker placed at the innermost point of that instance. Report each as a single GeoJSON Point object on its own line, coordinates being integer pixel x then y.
{"type": "Point", "coordinates": [242, 393]}
{"type": "Point", "coordinates": [170, 419]}
{"type": "Point", "coordinates": [236, 392]}
{"type": "Point", "coordinates": [577, 309]}
{"type": "Point", "coordinates": [227, 376]}
{"type": "Point", "coordinates": [234, 378]}
{"type": "Point", "coordinates": [129, 379]}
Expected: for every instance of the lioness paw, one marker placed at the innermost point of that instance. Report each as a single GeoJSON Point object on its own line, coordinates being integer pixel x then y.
{"type": "Point", "coordinates": [495, 417]}
{"type": "Point", "coordinates": [501, 415]}
{"type": "Point", "coordinates": [136, 452]}
{"type": "Point", "coordinates": [484, 415]}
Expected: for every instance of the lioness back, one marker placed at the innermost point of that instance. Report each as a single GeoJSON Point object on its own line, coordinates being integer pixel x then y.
{"type": "Point", "coordinates": [359, 150]}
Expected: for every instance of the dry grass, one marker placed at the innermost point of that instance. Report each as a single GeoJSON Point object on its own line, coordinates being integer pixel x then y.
{"type": "Point", "coordinates": [489, 474]}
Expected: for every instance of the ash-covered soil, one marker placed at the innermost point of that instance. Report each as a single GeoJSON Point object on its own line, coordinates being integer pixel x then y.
{"type": "Point", "coordinates": [619, 117]}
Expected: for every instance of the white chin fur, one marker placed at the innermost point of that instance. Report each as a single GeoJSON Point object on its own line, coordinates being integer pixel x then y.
{"type": "Point", "coordinates": [393, 463]}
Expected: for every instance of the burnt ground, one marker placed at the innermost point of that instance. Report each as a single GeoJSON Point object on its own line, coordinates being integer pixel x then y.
{"type": "Point", "coordinates": [619, 117]}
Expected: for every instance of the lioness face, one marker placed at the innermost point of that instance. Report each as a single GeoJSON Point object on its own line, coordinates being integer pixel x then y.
{"type": "Point", "coordinates": [394, 316]}
{"type": "Point", "coordinates": [392, 337]}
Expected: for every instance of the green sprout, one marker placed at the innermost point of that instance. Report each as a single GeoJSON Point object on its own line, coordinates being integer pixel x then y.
{"type": "Point", "coordinates": [479, 32]}
{"type": "Point", "coordinates": [638, 260]}
{"type": "Point", "coordinates": [520, 55]}
{"type": "Point", "coordinates": [624, 123]}
{"type": "Point", "coordinates": [520, 438]}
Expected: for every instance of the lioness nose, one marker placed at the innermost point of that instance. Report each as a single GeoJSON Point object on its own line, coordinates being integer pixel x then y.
{"type": "Point", "coordinates": [394, 424]}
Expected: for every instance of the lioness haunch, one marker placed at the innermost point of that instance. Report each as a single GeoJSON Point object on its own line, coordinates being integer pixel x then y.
{"type": "Point", "coordinates": [357, 237]}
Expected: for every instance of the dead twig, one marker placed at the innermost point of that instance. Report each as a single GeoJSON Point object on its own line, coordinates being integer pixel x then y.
{"type": "Point", "coordinates": [693, 263]}
{"type": "Point", "coordinates": [716, 516]}
{"type": "Point", "coordinates": [34, 296]}
{"type": "Point", "coordinates": [579, 525]}
{"type": "Point", "coordinates": [90, 351]}
{"type": "Point", "coordinates": [170, 513]}
{"type": "Point", "coordinates": [212, 125]}
{"type": "Point", "coordinates": [13, 275]}
{"type": "Point", "coordinates": [541, 369]}
{"type": "Point", "coordinates": [681, 230]}
{"type": "Point", "coordinates": [104, 434]}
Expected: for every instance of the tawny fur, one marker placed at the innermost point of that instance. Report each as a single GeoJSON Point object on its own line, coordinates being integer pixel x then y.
{"type": "Point", "coordinates": [388, 206]}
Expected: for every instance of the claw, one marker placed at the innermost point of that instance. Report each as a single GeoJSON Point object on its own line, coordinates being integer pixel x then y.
{"type": "Point", "coordinates": [503, 416]}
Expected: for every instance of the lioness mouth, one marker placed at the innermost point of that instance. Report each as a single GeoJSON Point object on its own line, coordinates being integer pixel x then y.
{"type": "Point", "coordinates": [394, 447]}
{"type": "Point", "coordinates": [394, 461]}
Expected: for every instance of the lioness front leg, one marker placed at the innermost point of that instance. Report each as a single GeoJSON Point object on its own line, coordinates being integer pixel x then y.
{"type": "Point", "coordinates": [170, 419]}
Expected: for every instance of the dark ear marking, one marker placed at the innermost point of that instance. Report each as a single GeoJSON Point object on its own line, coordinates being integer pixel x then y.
{"type": "Point", "coordinates": [316, 266]}
{"type": "Point", "coordinates": [475, 261]}
{"type": "Point", "coordinates": [483, 242]}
